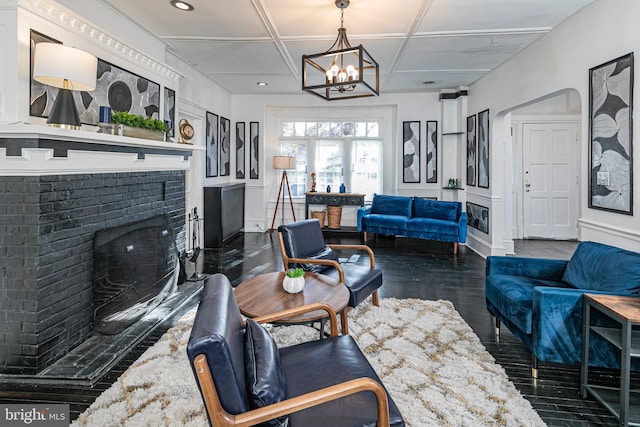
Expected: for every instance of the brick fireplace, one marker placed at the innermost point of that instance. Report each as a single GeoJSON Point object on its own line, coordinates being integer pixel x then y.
{"type": "Point", "coordinates": [50, 209]}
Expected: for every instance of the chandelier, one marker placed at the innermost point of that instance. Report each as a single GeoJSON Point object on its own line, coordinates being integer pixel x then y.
{"type": "Point", "coordinates": [342, 72]}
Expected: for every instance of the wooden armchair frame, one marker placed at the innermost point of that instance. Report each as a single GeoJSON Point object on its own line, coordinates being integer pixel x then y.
{"type": "Point", "coordinates": [220, 417]}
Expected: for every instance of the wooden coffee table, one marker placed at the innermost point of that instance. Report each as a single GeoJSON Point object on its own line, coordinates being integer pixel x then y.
{"type": "Point", "coordinates": [263, 294]}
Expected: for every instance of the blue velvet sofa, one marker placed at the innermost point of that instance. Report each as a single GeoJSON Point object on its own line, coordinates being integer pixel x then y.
{"type": "Point", "coordinates": [540, 300]}
{"type": "Point", "coordinates": [414, 217]}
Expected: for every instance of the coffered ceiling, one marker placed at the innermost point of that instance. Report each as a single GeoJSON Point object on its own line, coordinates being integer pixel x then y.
{"type": "Point", "coordinates": [451, 43]}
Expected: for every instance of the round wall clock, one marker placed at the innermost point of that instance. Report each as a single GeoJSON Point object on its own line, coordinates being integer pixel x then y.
{"type": "Point", "coordinates": [186, 131]}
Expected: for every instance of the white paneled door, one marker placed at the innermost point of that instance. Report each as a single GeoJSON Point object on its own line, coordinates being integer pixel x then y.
{"type": "Point", "coordinates": [550, 180]}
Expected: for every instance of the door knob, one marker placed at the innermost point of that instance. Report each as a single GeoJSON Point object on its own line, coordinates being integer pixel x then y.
{"type": "Point", "coordinates": [527, 185]}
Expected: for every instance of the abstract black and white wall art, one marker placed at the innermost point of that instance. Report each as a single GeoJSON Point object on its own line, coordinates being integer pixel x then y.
{"type": "Point", "coordinates": [471, 150]}
{"type": "Point", "coordinates": [117, 88]}
{"type": "Point", "coordinates": [240, 149]}
{"type": "Point", "coordinates": [254, 155]}
{"type": "Point", "coordinates": [483, 149]}
{"type": "Point", "coordinates": [170, 110]}
{"type": "Point", "coordinates": [478, 217]}
{"type": "Point", "coordinates": [122, 91]}
{"type": "Point", "coordinates": [611, 135]}
{"type": "Point", "coordinates": [212, 145]}
{"type": "Point", "coordinates": [225, 147]}
{"type": "Point", "coordinates": [432, 151]}
{"type": "Point", "coordinates": [411, 152]}
{"type": "Point", "coordinates": [41, 96]}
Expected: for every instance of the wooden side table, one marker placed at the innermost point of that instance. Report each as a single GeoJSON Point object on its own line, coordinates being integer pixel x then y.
{"type": "Point", "coordinates": [626, 311]}
{"type": "Point", "coordinates": [263, 294]}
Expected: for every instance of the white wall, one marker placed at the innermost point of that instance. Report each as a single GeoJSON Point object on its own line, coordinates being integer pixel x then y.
{"type": "Point", "coordinates": [394, 108]}
{"type": "Point", "coordinates": [560, 60]}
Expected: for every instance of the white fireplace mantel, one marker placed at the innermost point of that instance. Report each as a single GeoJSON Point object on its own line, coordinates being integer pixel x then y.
{"type": "Point", "coordinates": [33, 150]}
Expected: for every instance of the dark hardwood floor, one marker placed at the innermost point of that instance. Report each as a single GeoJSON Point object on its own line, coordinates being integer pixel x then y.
{"type": "Point", "coordinates": [412, 269]}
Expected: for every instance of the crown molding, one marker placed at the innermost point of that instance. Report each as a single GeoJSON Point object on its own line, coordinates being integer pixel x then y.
{"type": "Point", "coordinates": [66, 19]}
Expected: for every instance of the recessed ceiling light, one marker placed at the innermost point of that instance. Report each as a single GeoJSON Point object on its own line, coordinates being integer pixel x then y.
{"type": "Point", "coordinates": [181, 5]}
{"type": "Point", "coordinates": [262, 84]}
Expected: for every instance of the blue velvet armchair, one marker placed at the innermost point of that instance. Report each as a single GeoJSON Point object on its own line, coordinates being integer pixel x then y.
{"type": "Point", "coordinates": [540, 300]}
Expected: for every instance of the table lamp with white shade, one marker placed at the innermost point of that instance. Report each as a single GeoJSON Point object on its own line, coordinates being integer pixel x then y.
{"type": "Point", "coordinates": [284, 163]}
{"type": "Point", "coordinates": [69, 69]}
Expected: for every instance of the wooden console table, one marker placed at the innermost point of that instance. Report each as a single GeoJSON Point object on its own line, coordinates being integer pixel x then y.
{"type": "Point", "coordinates": [332, 199]}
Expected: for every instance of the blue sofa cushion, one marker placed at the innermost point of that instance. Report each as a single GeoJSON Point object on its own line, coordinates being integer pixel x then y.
{"type": "Point", "coordinates": [391, 205]}
{"type": "Point", "coordinates": [386, 221]}
{"type": "Point", "coordinates": [426, 208]}
{"type": "Point", "coordinates": [265, 374]}
{"type": "Point", "coordinates": [599, 267]}
{"type": "Point", "coordinates": [512, 296]}
{"type": "Point", "coordinates": [437, 229]}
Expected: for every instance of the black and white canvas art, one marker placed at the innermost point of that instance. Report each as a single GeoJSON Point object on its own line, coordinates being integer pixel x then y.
{"type": "Point", "coordinates": [611, 135]}
{"type": "Point", "coordinates": [122, 91]}
{"type": "Point", "coordinates": [117, 88]}
{"type": "Point", "coordinates": [432, 151]}
{"type": "Point", "coordinates": [471, 150]}
{"type": "Point", "coordinates": [254, 157]}
{"type": "Point", "coordinates": [483, 149]}
{"type": "Point", "coordinates": [212, 145]}
{"type": "Point", "coordinates": [411, 152]}
{"type": "Point", "coordinates": [170, 110]}
{"type": "Point", "coordinates": [225, 147]}
{"type": "Point", "coordinates": [478, 217]}
{"type": "Point", "coordinates": [240, 149]}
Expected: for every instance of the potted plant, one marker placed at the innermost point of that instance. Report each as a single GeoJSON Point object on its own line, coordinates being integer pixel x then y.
{"type": "Point", "coordinates": [137, 126]}
{"type": "Point", "coordinates": [293, 281]}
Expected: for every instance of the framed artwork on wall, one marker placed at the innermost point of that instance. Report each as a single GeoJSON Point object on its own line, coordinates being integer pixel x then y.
{"type": "Point", "coordinates": [240, 149]}
{"type": "Point", "coordinates": [432, 152]}
{"type": "Point", "coordinates": [254, 155]}
{"type": "Point", "coordinates": [225, 147]}
{"type": "Point", "coordinates": [471, 150]}
{"type": "Point", "coordinates": [170, 110]}
{"type": "Point", "coordinates": [116, 87]}
{"type": "Point", "coordinates": [483, 149]}
{"type": "Point", "coordinates": [611, 135]}
{"type": "Point", "coordinates": [478, 217]}
{"type": "Point", "coordinates": [121, 90]}
{"type": "Point", "coordinates": [411, 152]}
{"type": "Point", "coordinates": [212, 145]}
{"type": "Point", "coordinates": [41, 96]}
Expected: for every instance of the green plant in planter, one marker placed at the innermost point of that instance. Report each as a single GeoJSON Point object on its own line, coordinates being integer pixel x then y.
{"type": "Point", "coordinates": [136, 121]}
{"type": "Point", "coordinates": [295, 272]}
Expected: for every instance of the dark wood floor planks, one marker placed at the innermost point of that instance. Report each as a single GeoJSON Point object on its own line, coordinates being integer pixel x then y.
{"type": "Point", "coordinates": [412, 269]}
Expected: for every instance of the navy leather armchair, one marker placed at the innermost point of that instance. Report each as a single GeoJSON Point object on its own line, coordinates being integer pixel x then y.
{"type": "Point", "coordinates": [302, 245]}
{"type": "Point", "coordinates": [244, 379]}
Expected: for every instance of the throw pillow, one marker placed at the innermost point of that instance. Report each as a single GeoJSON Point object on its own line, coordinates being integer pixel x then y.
{"type": "Point", "coordinates": [598, 267]}
{"type": "Point", "coordinates": [391, 205]}
{"type": "Point", "coordinates": [265, 374]}
{"type": "Point", "coordinates": [426, 208]}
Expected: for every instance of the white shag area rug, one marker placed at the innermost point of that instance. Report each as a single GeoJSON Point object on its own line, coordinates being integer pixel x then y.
{"type": "Point", "coordinates": [431, 362]}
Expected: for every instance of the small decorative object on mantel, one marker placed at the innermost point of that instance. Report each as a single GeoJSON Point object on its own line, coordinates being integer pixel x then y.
{"type": "Point", "coordinates": [293, 281]}
{"type": "Point", "coordinates": [343, 189]}
{"type": "Point", "coordinates": [186, 132]}
{"type": "Point", "coordinates": [138, 126]}
{"type": "Point", "coordinates": [328, 189]}
{"type": "Point", "coordinates": [313, 182]}
{"type": "Point", "coordinates": [453, 183]}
